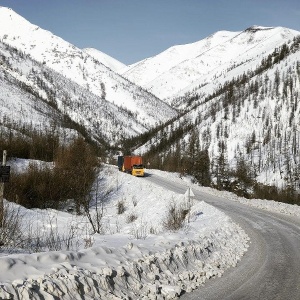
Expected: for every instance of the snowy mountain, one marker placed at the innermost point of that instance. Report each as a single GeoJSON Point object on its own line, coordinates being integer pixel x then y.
{"type": "Point", "coordinates": [243, 111]}
{"type": "Point", "coordinates": [88, 92]}
{"type": "Point", "coordinates": [149, 71]}
{"type": "Point", "coordinates": [202, 66]}
{"type": "Point", "coordinates": [105, 59]}
{"type": "Point", "coordinates": [36, 97]}
{"type": "Point", "coordinates": [238, 93]}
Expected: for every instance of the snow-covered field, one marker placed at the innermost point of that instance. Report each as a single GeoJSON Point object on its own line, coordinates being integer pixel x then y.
{"type": "Point", "coordinates": [134, 257]}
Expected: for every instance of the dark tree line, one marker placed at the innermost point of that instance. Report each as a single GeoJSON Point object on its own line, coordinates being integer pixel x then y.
{"type": "Point", "coordinates": [169, 154]}
{"type": "Point", "coordinates": [70, 177]}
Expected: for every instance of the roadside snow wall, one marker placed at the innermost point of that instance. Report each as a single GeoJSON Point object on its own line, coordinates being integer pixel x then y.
{"type": "Point", "coordinates": [135, 273]}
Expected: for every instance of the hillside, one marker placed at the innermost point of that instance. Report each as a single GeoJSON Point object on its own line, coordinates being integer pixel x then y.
{"type": "Point", "coordinates": [35, 96]}
{"type": "Point", "coordinates": [47, 69]}
{"type": "Point", "coordinates": [238, 94]}
{"type": "Point", "coordinates": [247, 126]}
{"type": "Point", "coordinates": [105, 59]}
{"type": "Point", "coordinates": [201, 67]}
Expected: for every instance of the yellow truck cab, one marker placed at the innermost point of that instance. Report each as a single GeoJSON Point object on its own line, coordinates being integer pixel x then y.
{"type": "Point", "coordinates": [138, 170]}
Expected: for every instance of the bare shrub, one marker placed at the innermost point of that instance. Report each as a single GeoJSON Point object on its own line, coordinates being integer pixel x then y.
{"type": "Point", "coordinates": [47, 237]}
{"type": "Point", "coordinates": [76, 164]}
{"type": "Point", "coordinates": [139, 231]}
{"type": "Point", "coordinates": [118, 226]}
{"type": "Point", "coordinates": [37, 187]}
{"type": "Point", "coordinates": [11, 235]}
{"type": "Point", "coordinates": [45, 186]}
{"type": "Point", "coordinates": [40, 238]}
{"type": "Point", "coordinates": [52, 238]}
{"type": "Point", "coordinates": [88, 242]}
{"type": "Point", "coordinates": [16, 234]}
{"type": "Point", "coordinates": [120, 207]}
{"type": "Point", "coordinates": [28, 143]}
{"type": "Point", "coordinates": [131, 218]}
{"type": "Point", "coordinates": [153, 230]}
{"type": "Point", "coordinates": [94, 207]}
{"type": "Point", "coordinates": [175, 217]}
{"type": "Point", "coordinates": [70, 239]}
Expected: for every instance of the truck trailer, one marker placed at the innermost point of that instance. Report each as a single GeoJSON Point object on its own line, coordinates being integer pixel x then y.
{"type": "Point", "coordinates": [133, 165]}
{"type": "Point", "coordinates": [120, 162]}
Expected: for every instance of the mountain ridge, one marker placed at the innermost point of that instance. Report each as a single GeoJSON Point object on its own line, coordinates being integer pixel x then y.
{"type": "Point", "coordinates": [105, 59]}
{"type": "Point", "coordinates": [247, 125]}
{"type": "Point", "coordinates": [174, 82]}
{"type": "Point", "coordinates": [84, 70]}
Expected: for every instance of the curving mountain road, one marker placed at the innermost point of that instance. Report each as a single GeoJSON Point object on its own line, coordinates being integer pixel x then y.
{"type": "Point", "coordinates": [270, 269]}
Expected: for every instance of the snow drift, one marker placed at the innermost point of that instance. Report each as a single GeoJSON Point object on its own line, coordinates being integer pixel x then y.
{"type": "Point", "coordinates": [156, 264]}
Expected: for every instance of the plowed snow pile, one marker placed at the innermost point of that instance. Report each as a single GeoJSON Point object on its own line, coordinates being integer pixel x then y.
{"type": "Point", "coordinates": [134, 257]}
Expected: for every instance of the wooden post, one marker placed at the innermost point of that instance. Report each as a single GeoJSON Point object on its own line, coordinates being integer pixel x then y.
{"type": "Point", "coordinates": [2, 191]}
{"type": "Point", "coordinates": [189, 201]}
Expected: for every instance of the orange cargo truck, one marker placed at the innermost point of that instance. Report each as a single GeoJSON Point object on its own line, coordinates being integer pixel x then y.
{"type": "Point", "coordinates": [133, 165]}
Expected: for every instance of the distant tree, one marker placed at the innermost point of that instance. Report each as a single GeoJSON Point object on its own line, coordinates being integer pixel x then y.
{"type": "Point", "coordinates": [222, 166]}
{"type": "Point", "coordinates": [243, 173]}
{"type": "Point", "coordinates": [277, 82]}
{"type": "Point", "coordinates": [202, 168]}
{"type": "Point", "coordinates": [103, 92]}
{"type": "Point", "coordinates": [77, 165]}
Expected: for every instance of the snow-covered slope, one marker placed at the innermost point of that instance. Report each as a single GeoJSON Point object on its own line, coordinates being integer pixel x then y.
{"type": "Point", "coordinates": [149, 69]}
{"type": "Point", "coordinates": [248, 115]}
{"type": "Point", "coordinates": [105, 59]}
{"type": "Point", "coordinates": [34, 96]}
{"type": "Point", "coordinates": [82, 69]}
{"type": "Point", "coordinates": [136, 259]}
{"type": "Point", "coordinates": [239, 91]}
{"type": "Point", "coordinates": [182, 69]}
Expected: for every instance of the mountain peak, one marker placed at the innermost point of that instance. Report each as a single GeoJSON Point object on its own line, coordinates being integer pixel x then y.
{"type": "Point", "coordinates": [11, 18]}
{"type": "Point", "coordinates": [174, 73]}
{"type": "Point", "coordinates": [256, 28]}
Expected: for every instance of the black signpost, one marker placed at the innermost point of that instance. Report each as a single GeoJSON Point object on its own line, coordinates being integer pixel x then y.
{"type": "Point", "coordinates": [4, 173]}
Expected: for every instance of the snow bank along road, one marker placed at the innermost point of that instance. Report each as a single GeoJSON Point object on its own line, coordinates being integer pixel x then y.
{"type": "Point", "coordinates": [270, 269]}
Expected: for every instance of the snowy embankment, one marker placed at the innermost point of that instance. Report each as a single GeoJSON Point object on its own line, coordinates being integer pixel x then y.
{"type": "Point", "coordinates": [269, 205]}
{"type": "Point", "coordinates": [134, 257]}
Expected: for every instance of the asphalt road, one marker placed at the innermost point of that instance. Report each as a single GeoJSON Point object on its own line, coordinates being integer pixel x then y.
{"type": "Point", "coordinates": [269, 270]}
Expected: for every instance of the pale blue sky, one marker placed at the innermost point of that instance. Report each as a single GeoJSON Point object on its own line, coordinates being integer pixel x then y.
{"type": "Point", "coordinates": [131, 30]}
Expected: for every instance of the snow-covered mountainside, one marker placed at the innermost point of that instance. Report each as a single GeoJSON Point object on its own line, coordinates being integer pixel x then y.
{"type": "Point", "coordinates": [238, 91]}
{"type": "Point", "coordinates": [204, 65]}
{"type": "Point", "coordinates": [246, 117]}
{"type": "Point", "coordinates": [86, 83]}
{"type": "Point", "coordinates": [34, 96]}
{"type": "Point", "coordinates": [105, 59]}
{"type": "Point", "coordinates": [148, 71]}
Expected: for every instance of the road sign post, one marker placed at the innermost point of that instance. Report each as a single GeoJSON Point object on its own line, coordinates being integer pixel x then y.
{"type": "Point", "coordinates": [4, 177]}
{"type": "Point", "coordinates": [189, 193]}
